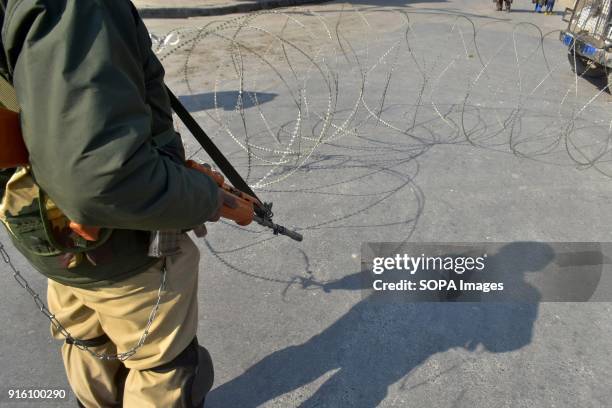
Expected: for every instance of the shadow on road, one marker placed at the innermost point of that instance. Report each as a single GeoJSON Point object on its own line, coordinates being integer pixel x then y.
{"type": "Point", "coordinates": [380, 3]}
{"type": "Point", "coordinates": [601, 83]}
{"type": "Point", "coordinates": [226, 100]}
{"type": "Point", "coordinates": [377, 343]}
{"type": "Point", "coordinates": [530, 10]}
{"type": "Point", "coordinates": [392, 3]}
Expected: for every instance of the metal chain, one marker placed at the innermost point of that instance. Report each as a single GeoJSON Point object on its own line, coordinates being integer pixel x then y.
{"type": "Point", "coordinates": [60, 328]}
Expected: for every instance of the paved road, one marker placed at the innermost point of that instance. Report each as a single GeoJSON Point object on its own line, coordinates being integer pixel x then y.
{"type": "Point", "coordinates": [194, 8]}
{"type": "Point", "coordinates": [360, 129]}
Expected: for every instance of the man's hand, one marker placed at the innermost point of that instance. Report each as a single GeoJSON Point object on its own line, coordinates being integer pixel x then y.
{"type": "Point", "coordinates": [225, 200]}
{"type": "Point", "coordinates": [231, 204]}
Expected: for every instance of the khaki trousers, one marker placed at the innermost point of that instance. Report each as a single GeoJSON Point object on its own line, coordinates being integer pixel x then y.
{"type": "Point", "coordinates": [121, 311]}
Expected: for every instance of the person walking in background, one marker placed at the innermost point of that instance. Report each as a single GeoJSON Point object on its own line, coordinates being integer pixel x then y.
{"type": "Point", "coordinates": [549, 7]}
{"type": "Point", "coordinates": [538, 5]}
{"type": "Point", "coordinates": [500, 3]}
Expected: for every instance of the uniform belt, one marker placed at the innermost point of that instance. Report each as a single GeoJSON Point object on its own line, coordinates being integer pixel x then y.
{"type": "Point", "coordinates": [95, 342]}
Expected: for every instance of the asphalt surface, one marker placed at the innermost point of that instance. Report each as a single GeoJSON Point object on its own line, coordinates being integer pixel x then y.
{"type": "Point", "coordinates": [361, 130]}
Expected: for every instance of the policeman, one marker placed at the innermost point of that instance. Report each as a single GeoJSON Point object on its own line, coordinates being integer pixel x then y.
{"type": "Point", "coordinates": [97, 124]}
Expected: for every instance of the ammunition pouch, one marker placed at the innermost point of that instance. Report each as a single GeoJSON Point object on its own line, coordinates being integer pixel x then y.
{"type": "Point", "coordinates": [35, 222]}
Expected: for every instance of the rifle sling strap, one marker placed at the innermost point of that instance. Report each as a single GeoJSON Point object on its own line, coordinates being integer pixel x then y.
{"type": "Point", "coordinates": [215, 154]}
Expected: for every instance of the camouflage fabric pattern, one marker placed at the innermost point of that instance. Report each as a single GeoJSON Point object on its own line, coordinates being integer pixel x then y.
{"type": "Point", "coordinates": [8, 99]}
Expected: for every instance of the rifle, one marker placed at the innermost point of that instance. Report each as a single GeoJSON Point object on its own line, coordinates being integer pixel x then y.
{"type": "Point", "coordinates": [261, 212]}
{"type": "Point", "coordinates": [249, 207]}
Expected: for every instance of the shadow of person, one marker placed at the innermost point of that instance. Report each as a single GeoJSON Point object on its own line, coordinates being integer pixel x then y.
{"type": "Point", "coordinates": [377, 343]}
{"type": "Point", "coordinates": [226, 100]}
